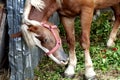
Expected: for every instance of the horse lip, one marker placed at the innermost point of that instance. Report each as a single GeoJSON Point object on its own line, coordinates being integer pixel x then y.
{"type": "Point", "coordinates": [64, 62]}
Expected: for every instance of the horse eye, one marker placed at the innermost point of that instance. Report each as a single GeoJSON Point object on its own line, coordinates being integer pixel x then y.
{"type": "Point", "coordinates": [45, 40]}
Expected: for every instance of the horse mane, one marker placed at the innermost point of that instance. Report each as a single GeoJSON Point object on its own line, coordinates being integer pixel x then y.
{"type": "Point", "coordinates": [59, 2]}
{"type": "Point", "coordinates": [38, 4]}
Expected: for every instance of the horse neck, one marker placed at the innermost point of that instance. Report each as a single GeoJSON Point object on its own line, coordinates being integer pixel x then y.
{"type": "Point", "coordinates": [38, 15]}
{"type": "Point", "coordinates": [44, 15]}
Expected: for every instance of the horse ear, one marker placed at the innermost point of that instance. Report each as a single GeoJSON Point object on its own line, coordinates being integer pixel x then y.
{"type": "Point", "coordinates": [32, 29]}
{"type": "Point", "coordinates": [37, 37]}
{"type": "Point", "coordinates": [40, 37]}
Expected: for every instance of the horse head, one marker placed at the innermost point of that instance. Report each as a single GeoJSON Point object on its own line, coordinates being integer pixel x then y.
{"type": "Point", "coordinates": [46, 37]}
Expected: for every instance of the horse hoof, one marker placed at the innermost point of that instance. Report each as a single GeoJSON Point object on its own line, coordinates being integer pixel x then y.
{"type": "Point", "coordinates": [110, 43]}
{"type": "Point", "coordinates": [91, 78]}
{"type": "Point", "coordinates": [69, 76]}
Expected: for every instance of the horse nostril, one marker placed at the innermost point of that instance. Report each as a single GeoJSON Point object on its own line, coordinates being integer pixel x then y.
{"type": "Point", "coordinates": [64, 61]}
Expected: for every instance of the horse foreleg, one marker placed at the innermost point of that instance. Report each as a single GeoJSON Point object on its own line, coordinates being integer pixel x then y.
{"type": "Point", "coordinates": [86, 19]}
{"type": "Point", "coordinates": [114, 31]}
{"type": "Point", "coordinates": [69, 28]}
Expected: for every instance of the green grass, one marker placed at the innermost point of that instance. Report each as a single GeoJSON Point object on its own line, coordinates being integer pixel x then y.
{"type": "Point", "coordinates": [106, 61]}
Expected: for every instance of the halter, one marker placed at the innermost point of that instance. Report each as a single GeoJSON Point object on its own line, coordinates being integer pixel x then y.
{"type": "Point", "coordinates": [58, 41]}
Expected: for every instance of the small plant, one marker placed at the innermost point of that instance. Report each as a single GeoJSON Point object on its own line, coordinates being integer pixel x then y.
{"type": "Point", "coordinates": [100, 28]}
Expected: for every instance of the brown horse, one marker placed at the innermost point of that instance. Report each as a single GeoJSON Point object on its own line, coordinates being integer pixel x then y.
{"type": "Point", "coordinates": [45, 36]}
{"type": "Point", "coordinates": [68, 10]}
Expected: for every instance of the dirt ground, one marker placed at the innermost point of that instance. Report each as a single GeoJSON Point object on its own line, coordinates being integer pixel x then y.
{"type": "Point", "coordinates": [110, 75]}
